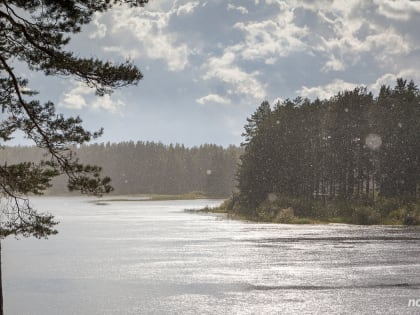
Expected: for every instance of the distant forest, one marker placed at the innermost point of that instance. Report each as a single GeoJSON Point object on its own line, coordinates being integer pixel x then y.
{"type": "Point", "coordinates": [148, 167]}
{"type": "Point", "coordinates": [353, 146]}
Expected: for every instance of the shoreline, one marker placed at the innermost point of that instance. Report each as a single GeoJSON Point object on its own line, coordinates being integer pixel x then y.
{"type": "Point", "coordinates": [296, 220]}
{"type": "Point", "coordinates": [286, 216]}
{"type": "Point", "coordinates": [157, 197]}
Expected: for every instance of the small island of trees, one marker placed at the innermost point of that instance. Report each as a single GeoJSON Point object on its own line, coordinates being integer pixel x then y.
{"type": "Point", "coordinates": [353, 158]}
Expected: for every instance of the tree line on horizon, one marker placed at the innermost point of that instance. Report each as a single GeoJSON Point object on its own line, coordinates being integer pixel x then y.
{"type": "Point", "coordinates": [149, 167]}
{"type": "Point", "coordinates": [353, 146]}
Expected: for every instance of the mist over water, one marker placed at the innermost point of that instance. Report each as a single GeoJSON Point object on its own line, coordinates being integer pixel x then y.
{"type": "Point", "coordinates": [152, 257]}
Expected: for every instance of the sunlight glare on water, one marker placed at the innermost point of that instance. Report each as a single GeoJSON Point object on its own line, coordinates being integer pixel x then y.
{"type": "Point", "coordinates": [152, 257]}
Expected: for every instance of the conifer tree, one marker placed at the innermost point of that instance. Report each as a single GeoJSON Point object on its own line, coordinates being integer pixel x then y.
{"type": "Point", "coordinates": [350, 147]}
{"type": "Point", "coordinates": [36, 33]}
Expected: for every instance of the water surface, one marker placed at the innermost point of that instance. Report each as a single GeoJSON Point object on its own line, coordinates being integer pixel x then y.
{"type": "Point", "coordinates": [152, 257]}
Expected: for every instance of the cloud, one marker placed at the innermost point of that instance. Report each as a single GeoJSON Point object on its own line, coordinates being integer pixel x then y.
{"type": "Point", "coordinates": [107, 103]}
{"type": "Point", "coordinates": [339, 35]}
{"type": "Point", "coordinates": [187, 8]}
{"type": "Point", "coordinates": [346, 32]}
{"type": "Point", "coordinates": [240, 9]}
{"type": "Point", "coordinates": [398, 10]}
{"type": "Point", "coordinates": [277, 100]}
{"type": "Point", "coordinates": [333, 64]}
{"type": "Point", "coordinates": [339, 6]}
{"type": "Point", "coordinates": [272, 38]}
{"type": "Point", "coordinates": [270, 61]}
{"type": "Point", "coordinates": [196, 52]}
{"type": "Point", "coordinates": [346, 49]}
{"type": "Point", "coordinates": [327, 90]}
{"type": "Point", "coordinates": [81, 96]}
{"type": "Point", "coordinates": [241, 83]}
{"type": "Point", "coordinates": [141, 33]}
{"type": "Point", "coordinates": [390, 79]}
{"type": "Point", "coordinates": [75, 97]}
{"type": "Point", "coordinates": [100, 28]}
{"type": "Point", "coordinates": [213, 98]}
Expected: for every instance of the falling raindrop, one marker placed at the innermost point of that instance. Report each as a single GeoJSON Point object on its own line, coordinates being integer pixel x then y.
{"type": "Point", "coordinates": [373, 141]}
{"type": "Point", "coordinates": [272, 197]}
{"type": "Point", "coordinates": [208, 172]}
{"type": "Point", "coordinates": [400, 125]}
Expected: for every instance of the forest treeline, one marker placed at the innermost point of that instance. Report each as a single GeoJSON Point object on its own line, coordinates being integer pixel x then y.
{"type": "Point", "coordinates": [354, 155]}
{"type": "Point", "coordinates": [148, 167]}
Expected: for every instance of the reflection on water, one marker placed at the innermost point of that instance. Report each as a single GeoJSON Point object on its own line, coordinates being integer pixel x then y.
{"type": "Point", "coordinates": [152, 257]}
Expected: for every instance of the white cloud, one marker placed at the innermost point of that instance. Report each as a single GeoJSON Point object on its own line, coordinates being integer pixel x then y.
{"type": "Point", "coordinates": [391, 79]}
{"type": "Point", "coordinates": [101, 28]}
{"type": "Point", "coordinates": [187, 8]}
{"type": "Point", "coordinates": [341, 31]}
{"type": "Point", "coordinates": [337, 6]}
{"type": "Point", "coordinates": [277, 100]}
{"type": "Point", "coordinates": [272, 37]}
{"type": "Point", "coordinates": [81, 96]}
{"type": "Point", "coordinates": [398, 10]}
{"type": "Point", "coordinates": [107, 103]}
{"type": "Point", "coordinates": [240, 9]}
{"type": "Point", "coordinates": [333, 64]}
{"type": "Point", "coordinates": [75, 97]}
{"type": "Point", "coordinates": [139, 33]}
{"type": "Point", "coordinates": [338, 35]}
{"type": "Point", "coordinates": [270, 61]}
{"type": "Point", "coordinates": [242, 83]}
{"type": "Point", "coordinates": [213, 98]}
{"type": "Point", "coordinates": [326, 91]}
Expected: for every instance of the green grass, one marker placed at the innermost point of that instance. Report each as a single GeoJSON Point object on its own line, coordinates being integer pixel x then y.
{"type": "Point", "coordinates": [211, 210]}
{"type": "Point", "coordinates": [385, 212]}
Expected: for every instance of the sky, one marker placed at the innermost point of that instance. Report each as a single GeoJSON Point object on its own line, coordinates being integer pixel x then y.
{"type": "Point", "coordinates": [207, 65]}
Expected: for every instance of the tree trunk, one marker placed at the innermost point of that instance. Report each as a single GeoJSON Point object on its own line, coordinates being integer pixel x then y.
{"type": "Point", "coordinates": [1, 287]}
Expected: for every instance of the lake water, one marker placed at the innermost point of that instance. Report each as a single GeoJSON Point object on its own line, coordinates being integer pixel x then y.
{"type": "Point", "coordinates": [152, 257]}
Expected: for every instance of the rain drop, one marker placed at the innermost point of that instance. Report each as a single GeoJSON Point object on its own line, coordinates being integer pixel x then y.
{"type": "Point", "coordinates": [272, 197]}
{"type": "Point", "coordinates": [373, 141]}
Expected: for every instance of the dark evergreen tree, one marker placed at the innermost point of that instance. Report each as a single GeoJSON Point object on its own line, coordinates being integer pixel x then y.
{"type": "Point", "coordinates": [254, 173]}
{"type": "Point", "coordinates": [399, 129]}
{"type": "Point", "coordinates": [350, 146]}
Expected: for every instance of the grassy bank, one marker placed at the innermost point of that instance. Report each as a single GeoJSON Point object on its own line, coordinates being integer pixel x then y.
{"type": "Point", "coordinates": [381, 211]}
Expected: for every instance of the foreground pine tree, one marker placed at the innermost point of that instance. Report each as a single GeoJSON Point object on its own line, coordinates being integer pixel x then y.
{"type": "Point", "coordinates": [36, 33]}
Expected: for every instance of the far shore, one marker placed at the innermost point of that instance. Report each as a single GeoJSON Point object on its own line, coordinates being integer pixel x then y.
{"type": "Point", "coordinates": [156, 197]}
